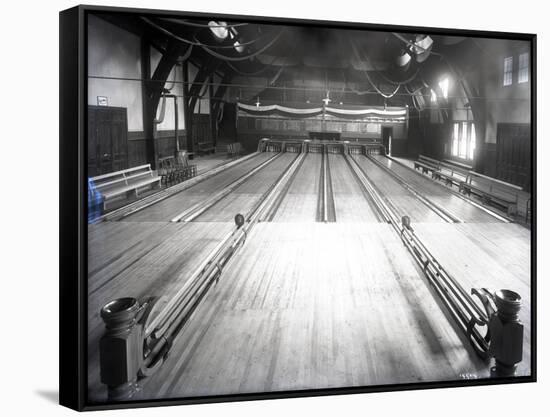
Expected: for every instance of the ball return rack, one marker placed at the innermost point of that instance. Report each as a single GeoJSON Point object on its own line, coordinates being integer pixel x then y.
{"type": "Point", "coordinates": [139, 335]}
{"type": "Point", "coordinates": [492, 328]}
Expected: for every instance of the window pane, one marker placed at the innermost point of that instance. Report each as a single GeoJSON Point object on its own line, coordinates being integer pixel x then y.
{"type": "Point", "coordinates": [463, 141]}
{"type": "Point", "coordinates": [508, 69]}
{"type": "Point", "coordinates": [523, 73]}
{"type": "Point", "coordinates": [454, 150]}
{"type": "Point", "coordinates": [472, 141]}
{"type": "Point", "coordinates": [508, 63]}
{"type": "Point", "coordinates": [444, 85]}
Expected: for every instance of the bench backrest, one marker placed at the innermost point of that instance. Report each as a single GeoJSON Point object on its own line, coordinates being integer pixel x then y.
{"type": "Point", "coordinates": [121, 178]}
{"type": "Point", "coordinates": [458, 164]}
{"type": "Point", "coordinates": [455, 169]}
{"type": "Point", "coordinates": [494, 184]}
{"type": "Point", "coordinates": [428, 160]}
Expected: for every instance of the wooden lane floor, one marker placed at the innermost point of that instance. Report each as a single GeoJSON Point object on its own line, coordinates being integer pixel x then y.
{"type": "Point", "coordinates": [404, 202]}
{"type": "Point", "coordinates": [491, 255]}
{"type": "Point", "coordinates": [350, 202]}
{"type": "Point", "coordinates": [129, 259]}
{"type": "Point", "coordinates": [439, 193]}
{"type": "Point", "coordinates": [316, 305]}
{"type": "Point", "coordinates": [242, 199]}
{"type": "Point", "coordinates": [300, 203]}
{"type": "Point", "coordinates": [166, 209]}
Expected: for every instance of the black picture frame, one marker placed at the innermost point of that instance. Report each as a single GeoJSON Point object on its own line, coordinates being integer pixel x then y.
{"type": "Point", "coordinates": [73, 210]}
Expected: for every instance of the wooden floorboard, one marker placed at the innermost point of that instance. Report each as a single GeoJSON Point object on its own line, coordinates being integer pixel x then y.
{"type": "Point", "coordinates": [403, 201]}
{"type": "Point", "coordinates": [314, 306]}
{"type": "Point", "coordinates": [439, 194]}
{"type": "Point", "coordinates": [176, 204]}
{"type": "Point", "coordinates": [242, 199]}
{"type": "Point", "coordinates": [300, 202]}
{"type": "Point", "coordinates": [351, 204]}
{"type": "Point", "coordinates": [493, 256]}
{"type": "Point", "coordinates": [306, 304]}
{"type": "Point", "coordinates": [156, 266]}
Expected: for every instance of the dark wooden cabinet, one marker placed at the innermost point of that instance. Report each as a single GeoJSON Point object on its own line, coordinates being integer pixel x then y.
{"type": "Point", "coordinates": [513, 159]}
{"type": "Point", "coordinates": [107, 139]}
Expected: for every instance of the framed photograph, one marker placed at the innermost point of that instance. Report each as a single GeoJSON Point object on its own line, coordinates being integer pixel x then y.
{"type": "Point", "coordinates": [102, 101]}
{"type": "Point", "coordinates": [256, 207]}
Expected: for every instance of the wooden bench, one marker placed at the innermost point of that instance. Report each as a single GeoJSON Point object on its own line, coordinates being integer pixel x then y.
{"type": "Point", "coordinates": [427, 164]}
{"type": "Point", "coordinates": [491, 190]}
{"type": "Point", "coordinates": [205, 148]}
{"type": "Point", "coordinates": [459, 164]}
{"type": "Point", "coordinates": [121, 183]}
{"type": "Point", "coordinates": [452, 172]}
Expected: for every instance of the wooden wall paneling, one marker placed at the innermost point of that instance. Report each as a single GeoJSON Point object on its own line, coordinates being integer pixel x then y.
{"type": "Point", "coordinates": [137, 154]}
{"type": "Point", "coordinates": [93, 151]}
{"type": "Point", "coordinates": [108, 137]}
{"type": "Point", "coordinates": [118, 123]}
{"type": "Point", "coordinates": [513, 153]}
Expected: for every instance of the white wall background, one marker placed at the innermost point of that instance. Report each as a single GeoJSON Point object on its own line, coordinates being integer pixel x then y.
{"type": "Point", "coordinates": [29, 228]}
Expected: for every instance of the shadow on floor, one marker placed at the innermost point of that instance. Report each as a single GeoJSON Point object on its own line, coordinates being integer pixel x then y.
{"type": "Point", "coordinates": [49, 395]}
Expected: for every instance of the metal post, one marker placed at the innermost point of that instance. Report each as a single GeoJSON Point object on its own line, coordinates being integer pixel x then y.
{"type": "Point", "coordinates": [506, 333]}
{"type": "Point", "coordinates": [120, 348]}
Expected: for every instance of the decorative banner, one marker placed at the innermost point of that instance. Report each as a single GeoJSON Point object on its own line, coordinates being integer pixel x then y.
{"type": "Point", "coordinates": [395, 114]}
{"type": "Point", "coordinates": [276, 107]}
{"type": "Point", "coordinates": [364, 112]}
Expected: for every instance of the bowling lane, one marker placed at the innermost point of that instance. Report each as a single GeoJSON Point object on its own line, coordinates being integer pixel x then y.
{"type": "Point", "coordinates": [350, 201]}
{"type": "Point", "coordinates": [439, 193]}
{"type": "Point", "coordinates": [140, 260]}
{"type": "Point", "coordinates": [243, 198]}
{"type": "Point", "coordinates": [167, 209]}
{"type": "Point", "coordinates": [292, 314]}
{"type": "Point", "coordinates": [493, 256]}
{"type": "Point", "coordinates": [404, 202]}
{"type": "Point", "coordinates": [300, 203]}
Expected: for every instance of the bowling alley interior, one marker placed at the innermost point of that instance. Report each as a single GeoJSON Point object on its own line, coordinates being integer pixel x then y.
{"type": "Point", "coordinates": [278, 206]}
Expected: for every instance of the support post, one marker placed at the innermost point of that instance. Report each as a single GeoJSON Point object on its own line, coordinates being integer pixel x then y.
{"type": "Point", "coordinates": [148, 114]}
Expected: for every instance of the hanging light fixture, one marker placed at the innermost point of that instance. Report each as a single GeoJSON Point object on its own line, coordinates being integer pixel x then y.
{"type": "Point", "coordinates": [219, 30]}
{"type": "Point", "coordinates": [258, 102]}
{"type": "Point", "coordinates": [423, 47]}
{"type": "Point", "coordinates": [403, 60]}
{"type": "Point", "coordinates": [238, 47]}
{"type": "Point", "coordinates": [233, 36]}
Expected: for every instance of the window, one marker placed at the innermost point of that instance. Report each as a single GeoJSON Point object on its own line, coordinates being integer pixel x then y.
{"type": "Point", "coordinates": [455, 140]}
{"type": "Point", "coordinates": [472, 147]}
{"type": "Point", "coordinates": [463, 142]}
{"type": "Point", "coordinates": [508, 70]}
{"type": "Point", "coordinates": [523, 72]}
{"type": "Point", "coordinates": [444, 85]}
{"type": "Point", "coordinates": [433, 97]}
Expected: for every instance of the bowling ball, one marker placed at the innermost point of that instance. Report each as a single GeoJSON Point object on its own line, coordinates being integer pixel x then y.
{"type": "Point", "coordinates": [239, 220]}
